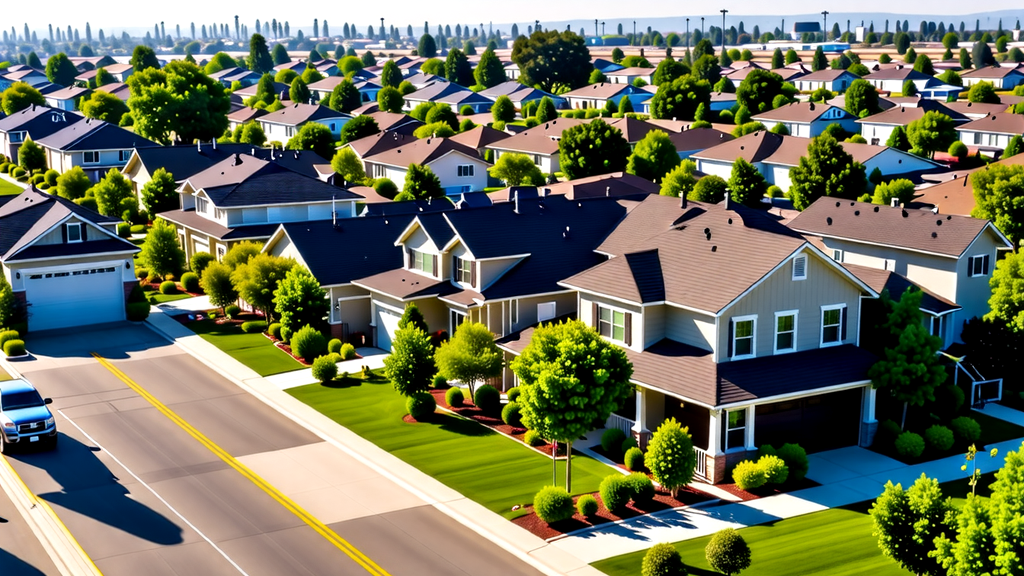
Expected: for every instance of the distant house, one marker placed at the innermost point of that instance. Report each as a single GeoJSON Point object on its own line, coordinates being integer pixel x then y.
{"type": "Point", "coordinates": [83, 63]}
{"type": "Point", "coordinates": [458, 167]}
{"type": "Point", "coordinates": [807, 119]}
{"type": "Point", "coordinates": [281, 90]}
{"type": "Point", "coordinates": [27, 75]}
{"type": "Point", "coordinates": [420, 80]}
{"type": "Point", "coordinates": [801, 28]}
{"type": "Point", "coordinates": [280, 126]}
{"type": "Point", "coordinates": [93, 145]}
{"type": "Point", "coordinates": [690, 142]}
{"type": "Point", "coordinates": [596, 95]}
{"type": "Point", "coordinates": [67, 99]}
{"type": "Point", "coordinates": [244, 115]}
{"type": "Point", "coordinates": [229, 76]}
{"type": "Point", "coordinates": [120, 72]}
{"type": "Point", "coordinates": [540, 143]}
{"type": "Point", "coordinates": [449, 93]}
{"type": "Point", "coordinates": [993, 132]}
{"type": "Point", "coordinates": [390, 122]}
{"type": "Point", "coordinates": [834, 80]}
{"type": "Point", "coordinates": [630, 75]}
{"type": "Point", "coordinates": [1001, 77]}
{"type": "Point", "coordinates": [34, 122]}
{"type": "Point", "coordinates": [520, 94]}
{"type": "Point", "coordinates": [614, 185]}
{"type": "Point", "coordinates": [480, 138]}
{"type": "Point", "coordinates": [892, 80]}
{"type": "Point", "coordinates": [975, 110]}
{"type": "Point", "coordinates": [877, 128]}
{"type": "Point", "coordinates": [321, 89]}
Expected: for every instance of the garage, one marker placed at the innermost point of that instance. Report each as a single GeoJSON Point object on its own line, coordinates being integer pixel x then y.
{"type": "Point", "coordinates": [817, 423]}
{"type": "Point", "coordinates": [74, 296]}
{"type": "Point", "coordinates": [386, 322]}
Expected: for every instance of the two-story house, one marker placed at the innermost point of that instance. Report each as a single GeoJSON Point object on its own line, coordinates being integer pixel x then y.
{"type": "Point", "coordinates": [35, 123]}
{"type": "Point", "coordinates": [458, 167]}
{"type": "Point", "coordinates": [540, 143]}
{"type": "Point", "coordinates": [807, 119]}
{"type": "Point", "coordinates": [94, 145]}
{"type": "Point", "coordinates": [245, 198]}
{"type": "Point", "coordinates": [281, 125]}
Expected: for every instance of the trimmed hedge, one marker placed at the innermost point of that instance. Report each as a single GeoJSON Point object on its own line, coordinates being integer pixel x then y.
{"type": "Point", "coordinates": [254, 327]}
{"type": "Point", "coordinates": [124, 229]}
{"type": "Point", "coordinates": [334, 346]}
{"type": "Point", "coordinates": [8, 335]}
{"type": "Point", "coordinates": [308, 343]}
{"type": "Point", "coordinates": [909, 445]}
{"type": "Point", "coordinates": [966, 428]}
{"type": "Point", "coordinates": [510, 415]}
{"type": "Point", "coordinates": [275, 330]}
{"type": "Point", "coordinates": [199, 261]}
{"type": "Point", "coordinates": [487, 398]}
{"type": "Point", "coordinates": [439, 382]}
{"type": "Point", "coordinates": [748, 475]}
{"type": "Point", "coordinates": [641, 486]}
{"type": "Point", "coordinates": [14, 348]}
{"type": "Point", "coordinates": [553, 504]}
{"type": "Point", "coordinates": [939, 438]}
{"type": "Point", "coordinates": [231, 311]}
{"type": "Point", "coordinates": [634, 459]}
{"type": "Point", "coordinates": [513, 394]}
{"type": "Point", "coordinates": [628, 443]}
{"type": "Point", "coordinates": [795, 458]}
{"type": "Point", "coordinates": [138, 229]}
{"type": "Point", "coordinates": [347, 351]}
{"type": "Point", "coordinates": [586, 505]}
{"type": "Point", "coordinates": [453, 397]}
{"type": "Point", "coordinates": [533, 438]}
{"type": "Point", "coordinates": [168, 287]}
{"type": "Point", "coordinates": [611, 440]}
{"type": "Point", "coordinates": [420, 405]}
{"type": "Point", "coordinates": [324, 369]}
{"type": "Point", "coordinates": [775, 469]}
{"type": "Point", "coordinates": [190, 282]}
{"type": "Point", "coordinates": [615, 492]}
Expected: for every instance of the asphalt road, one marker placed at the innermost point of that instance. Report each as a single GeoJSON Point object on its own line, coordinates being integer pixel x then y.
{"type": "Point", "coordinates": [144, 496]}
{"type": "Point", "coordinates": [20, 553]}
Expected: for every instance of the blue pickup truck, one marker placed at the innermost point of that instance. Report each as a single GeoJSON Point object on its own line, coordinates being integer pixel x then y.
{"type": "Point", "coordinates": [25, 418]}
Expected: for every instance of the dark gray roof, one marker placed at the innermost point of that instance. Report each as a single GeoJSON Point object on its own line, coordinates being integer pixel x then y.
{"type": "Point", "coordinates": [298, 113]}
{"type": "Point", "coordinates": [39, 121]}
{"type": "Point", "coordinates": [91, 134]}
{"type": "Point", "coordinates": [408, 207]}
{"type": "Point", "coordinates": [185, 161]}
{"type": "Point", "coordinates": [368, 244]}
{"type": "Point", "coordinates": [242, 180]}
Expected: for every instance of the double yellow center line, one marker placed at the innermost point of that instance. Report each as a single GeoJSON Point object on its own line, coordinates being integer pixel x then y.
{"type": "Point", "coordinates": [331, 536]}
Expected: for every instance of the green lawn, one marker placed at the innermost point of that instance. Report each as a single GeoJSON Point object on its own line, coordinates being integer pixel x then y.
{"type": "Point", "coordinates": [7, 189]}
{"type": "Point", "coordinates": [253, 350]}
{"type": "Point", "coordinates": [157, 298]}
{"type": "Point", "coordinates": [483, 465]}
{"type": "Point", "coordinates": [4, 375]}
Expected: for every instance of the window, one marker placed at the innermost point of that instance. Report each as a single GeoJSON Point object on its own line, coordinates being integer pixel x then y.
{"type": "Point", "coordinates": [977, 266]}
{"type": "Point", "coordinates": [545, 311]}
{"type": "Point", "coordinates": [735, 428]}
{"type": "Point", "coordinates": [743, 337]}
{"type": "Point", "coordinates": [334, 127]}
{"type": "Point", "coordinates": [465, 170]}
{"type": "Point", "coordinates": [124, 155]}
{"type": "Point", "coordinates": [890, 265]}
{"type": "Point", "coordinates": [201, 205]}
{"type": "Point", "coordinates": [837, 255]}
{"type": "Point", "coordinates": [785, 331]}
{"type": "Point", "coordinates": [463, 270]}
{"type": "Point", "coordinates": [379, 171]}
{"type": "Point", "coordinates": [800, 268]}
{"type": "Point", "coordinates": [422, 261]}
{"type": "Point", "coordinates": [219, 214]}
{"type": "Point", "coordinates": [833, 324]}
{"type": "Point", "coordinates": [611, 324]}
{"type": "Point", "coordinates": [935, 328]}
{"type": "Point", "coordinates": [91, 157]}
{"type": "Point", "coordinates": [513, 312]}
{"type": "Point", "coordinates": [221, 251]}
{"type": "Point", "coordinates": [74, 232]}
{"type": "Point", "coordinates": [17, 137]}
{"type": "Point", "coordinates": [454, 319]}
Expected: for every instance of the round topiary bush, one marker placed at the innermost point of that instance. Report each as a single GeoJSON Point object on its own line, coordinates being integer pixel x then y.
{"type": "Point", "coordinates": [168, 287]}
{"type": "Point", "coordinates": [275, 330]}
{"type": "Point", "coordinates": [775, 470]}
{"type": "Point", "coordinates": [628, 443]}
{"type": "Point", "coordinates": [748, 475]}
{"type": "Point", "coordinates": [611, 440]}
{"type": "Point", "coordinates": [141, 273]}
{"type": "Point", "coordinates": [254, 327]}
{"type": "Point", "coordinates": [453, 397]}
{"type": "Point", "coordinates": [334, 346]}
{"type": "Point", "coordinates": [510, 415]}
{"type": "Point", "coordinates": [728, 552]}
{"type": "Point", "coordinates": [308, 343]}
{"type": "Point", "coordinates": [232, 311]}
{"type": "Point", "coordinates": [14, 348]}
{"type": "Point", "coordinates": [662, 560]}
{"type": "Point", "coordinates": [966, 428]}
{"type": "Point", "coordinates": [324, 369]}
{"type": "Point", "coordinates": [909, 445]}
{"type": "Point", "coordinates": [487, 398]}
{"type": "Point", "coordinates": [641, 486]}
{"type": "Point", "coordinates": [348, 351]}
{"type": "Point", "coordinates": [634, 459]}
{"type": "Point", "coordinates": [8, 335]}
{"type": "Point", "coordinates": [199, 261]}
{"type": "Point", "coordinates": [553, 504]}
{"type": "Point", "coordinates": [513, 394]}
{"type": "Point", "coordinates": [439, 382]}
{"type": "Point", "coordinates": [939, 438]}
{"type": "Point", "coordinates": [421, 405]}
{"type": "Point", "coordinates": [615, 492]}
{"type": "Point", "coordinates": [533, 438]}
{"type": "Point", "coordinates": [586, 505]}
{"type": "Point", "coordinates": [190, 282]}
{"type": "Point", "coordinates": [795, 458]}
{"type": "Point", "coordinates": [138, 229]}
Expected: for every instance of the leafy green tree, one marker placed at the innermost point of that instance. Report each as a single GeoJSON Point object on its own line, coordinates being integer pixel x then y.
{"type": "Point", "coordinates": [161, 252]}
{"type": "Point", "coordinates": [680, 98]}
{"type": "Point", "coordinates": [103, 77]}
{"type": "Point", "coordinates": [503, 109]}
{"type": "Point", "coordinates": [727, 552]}
{"type": "Point", "coordinates": [934, 131]}
{"type": "Point", "coordinates": [924, 65]}
{"type": "Point", "coordinates": [442, 113]}
{"type": "Point", "coordinates": [313, 136]}
{"type": "Point", "coordinates": [260, 60]}
{"type": "Point", "coordinates": [950, 40]}
{"type": "Point", "coordinates": [345, 97]}
{"type": "Point", "coordinates": [907, 522]}
{"type": "Point", "coordinates": [759, 89]}
{"type": "Point", "coordinates": [516, 170]}
{"type": "Point", "coordinates": [390, 75]}
{"type": "Point", "coordinates": [792, 57]}
{"type": "Point", "coordinates": [546, 111]}
{"type": "Point", "coordinates": [257, 280]}
{"type": "Point", "coordinates": [680, 180]}
{"type": "Point", "coordinates": [902, 42]}
{"type": "Point", "coordinates": [668, 70]}
{"type": "Point", "coordinates": [347, 164]}
{"type": "Point", "coordinates": [160, 194]}
{"type": "Point", "coordinates": [241, 253]}
{"type": "Point", "coordinates": [910, 56]}
{"type": "Point", "coordinates": [299, 91]}
{"type": "Point", "coordinates": [965, 59]}
{"type": "Point", "coordinates": [350, 65]}
{"type": "Point", "coordinates": [670, 456]}
{"type": "Point", "coordinates": [981, 55]}
{"type": "Point", "coordinates": [410, 366]}
{"type": "Point", "coordinates": [597, 77]}
{"type": "Point", "coordinates": [434, 130]}
{"type": "Point", "coordinates": [570, 377]}
{"type": "Point", "coordinates": [489, 71]}
{"type": "Point", "coordinates": [951, 77]}
{"type": "Point", "coordinates": [548, 58]}
{"type": "Point", "coordinates": [179, 100]}
{"type": "Point", "coordinates": [433, 66]}
{"type": "Point", "coordinates": [358, 127]}
{"type": "Point", "coordinates": [470, 356]}
{"type": "Point", "coordinates": [9, 312]}
{"type": "Point", "coordinates": [265, 90]}
{"type": "Point", "coordinates": [143, 58]}
{"type": "Point", "coordinates": [1007, 306]}
{"type": "Point", "coordinates": [1014, 146]}
{"type": "Point", "coordinates": [20, 96]}
{"type": "Point", "coordinates": [818, 61]}
{"type": "Point", "coordinates": [703, 48]}
{"type": "Point", "coordinates": [826, 170]}
{"type": "Point", "coordinates": [368, 59]}
{"type": "Point", "coordinates": [110, 191]}
{"type": "Point", "coordinates": [457, 68]}
{"type": "Point", "coordinates": [300, 301]}
{"type": "Point", "coordinates": [592, 149]}
{"type": "Point", "coordinates": [60, 70]}
{"type": "Point", "coordinates": [250, 133]}
{"type": "Point", "coordinates": [31, 156]}
{"type": "Point", "coordinates": [900, 188]}
{"type": "Point", "coordinates": [33, 61]}
{"type": "Point", "coordinates": [706, 68]}
{"type": "Point", "coordinates": [983, 92]}
{"type": "Point", "coordinates": [104, 106]}
{"type": "Point", "coordinates": [73, 184]}
{"type": "Point", "coordinates": [412, 316]}
{"type": "Point", "coordinates": [653, 156]}
{"type": "Point", "coordinates": [421, 183]}
{"type": "Point", "coordinates": [898, 139]}
{"type": "Point", "coordinates": [311, 75]}
{"type": "Point", "coordinates": [777, 59]}
{"type": "Point", "coordinates": [427, 47]}
{"type": "Point", "coordinates": [710, 189]}
{"type": "Point", "coordinates": [390, 100]}
{"type": "Point", "coordinates": [746, 184]}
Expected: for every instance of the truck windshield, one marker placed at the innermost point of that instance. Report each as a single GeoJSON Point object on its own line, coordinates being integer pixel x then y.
{"type": "Point", "coordinates": [19, 400]}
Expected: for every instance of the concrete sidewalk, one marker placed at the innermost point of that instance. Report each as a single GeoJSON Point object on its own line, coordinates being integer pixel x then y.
{"type": "Point", "coordinates": [372, 357]}
{"type": "Point", "coordinates": [518, 542]}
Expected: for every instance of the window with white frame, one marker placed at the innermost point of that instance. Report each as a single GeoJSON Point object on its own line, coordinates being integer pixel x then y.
{"type": "Point", "coordinates": [890, 265]}
{"type": "Point", "coordinates": [123, 155]}
{"type": "Point", "coordinates": [201, 205]}
{"type": "Point", "coordinates": [977, 266]}
{"type": "Point", "coordinates": [935, 328]}
{"type": "Point", "coordinates": [17, 137]}
{"type": "Point", "coordinates": [785, 331]}
{"type": "Point", "coordinates": [379, 171]}
{"type": "Point", "coordinates": [74, 232]}
{"type": "Point", "coordinates": [221, 251]}
{"type": "Point", "coordinates": [735, 428]}
{"type": "Point", "coordinates": [545, 311]}
{"type": "Point", "coordinates": [833, 320]}
{"type": "Point", "coordinates": [423, 262]}
{"type": "Point", "coordinates": [837, 255]}
{"type": "Point", "coordinates": [744, 330]}
{"type": "Point", "coordinates": [465, 170]}
{"type": "Point", "coordinates": [800, 267]}
{"type": "Point", "coordinates": [455, 318]}
{"type": "Point", "coordinates": [463, 270]}
{"type": "Point", "coordinates": [90, 157]}
{"type": "Point", "coordinates": [611, 323]}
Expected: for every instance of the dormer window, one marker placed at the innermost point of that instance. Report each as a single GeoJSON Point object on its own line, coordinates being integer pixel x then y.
{"type": "Point", "coordinates": [201, 205]}
{"type": "Point", "coordinates": [74, 232]}
{"type": "Point", "coordinates": [422, 261]}
{"type": "Point", "coordinates": [463, 271]}
{"type": "Point", "coordinates": [800, 268]}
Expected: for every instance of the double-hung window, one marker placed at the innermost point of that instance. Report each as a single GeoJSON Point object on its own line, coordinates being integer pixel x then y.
{"type": "Point", "coordinates": [463, 271]}
{"type": "Point", "coordinates": [977, 266]}
{"type": "Point", "coordinates": [833, 324]}
{"type": "Point", "coordinates": [735, 428]}
{"type": "Point", "coordinates": [611, 324]}
{"type": "Point", "coordinates": [90, 157]}
{"type": "Point", "coordinates": [744, 340]}
{"type": "Point", "coordinates": [423, 262]}
{"type": "Point", "coordinates": [465, 170]}
{"type": "Point", "coordinates": [124, 155]}
{"type": "Point", "coordinates": [837, 255]}
{"type": "Point", "coordinates": [785, 331]}
{"type": "Point", "coordinates": [201, 205]}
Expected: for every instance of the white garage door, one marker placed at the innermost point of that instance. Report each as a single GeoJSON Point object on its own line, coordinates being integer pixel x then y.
{"type": "Point", "coordinates": [387, 325]}
{"type": "Point", "coordinates": [74, 297]}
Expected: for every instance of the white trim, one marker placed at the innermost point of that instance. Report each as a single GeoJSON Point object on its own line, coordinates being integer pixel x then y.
{"type": "Point", "coordinates": [753, 337]}
{"type": "Point", "coordinates": [821, 325]}
{"type": "Point", "coordinates": [78, 226]}
{"type": "Point", "coordinates": [795, 277]}
{"type": "Point", "coordinates": [406, 167]}
{"type": "Point", "coordinates": [61, 222]}
{"type": "Point", "coordinates": [348, 298]}
{"type": "Point", "coordinates": [796, 325]}
{"type": "Point", "coordinates": [795, 395]}
{"type": "Point", "coordinates": [386, 306]}
{"type": "Point", "coordinates": [613, 309]}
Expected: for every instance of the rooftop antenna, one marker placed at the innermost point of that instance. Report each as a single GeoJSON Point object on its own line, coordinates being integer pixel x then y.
{"type": "Point", "coordinates": [334, 212]}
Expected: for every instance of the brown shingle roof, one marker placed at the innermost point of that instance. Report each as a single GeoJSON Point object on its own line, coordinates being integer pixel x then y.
{"type": "Point", "coordinates": [298, 113]}
{"type": "Point", "coordinates": [991, 72]}
{"type": "Point", "coordinates": [406, 285]}
{"type": "Point", "coordinates": [966, 108]}
{"type": "Point", "coordinates": [377, 143]}
{"type": "Point", "coordinates": [956, 196]}
{"type": "Point", "coordinates": [1002, 123]}
{"type": "Point", "coordinates": [904, 115]}
{"type": "Point", "coordinates": [480, 137]}
{"type": "Point", "coordinates": [699, 139]}
{"type": "Point", "coordinates": [600, 91]}
{"type": "Point", "coordinates": [802, 112]}
{"type": "Point", "coordinates": [420, 152]}
{"type": "Point", "coordinates": [616, 184]}
{"type": "Point", "coordinates": [754, 147]}
{"type": "Point", "coordinates": [826, 75]}
{"type": "Point", "coordinates": [897, 284]}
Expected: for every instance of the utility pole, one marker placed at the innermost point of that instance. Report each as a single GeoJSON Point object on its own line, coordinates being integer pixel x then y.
{"type": "Point", "coordinates": [724, 12]}
{"type": "Point", "coordinates": [687, 34]}
{"type": "Point", "coordinates": [824, 29]}
{"type": "Point", "coordinates": [701, 26]}
{"type": "Point", "coordinates": [602, 28]}
{"type": "Point", "coordinates": [595, 26]}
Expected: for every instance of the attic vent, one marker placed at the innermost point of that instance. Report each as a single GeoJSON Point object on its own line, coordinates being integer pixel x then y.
{"type": "Point", "coordinates": [938, 222]}
{"type": "Point", "coordinates": [742, 147]}
{"type": "Point", "coordinates": [730, 220]}
{"type": "Point", "coordinates": [838, 204]}
{"type": "Point", "coordinates": [876, 208]}
{"type": "Point", "coordinates": [905, 214]}
{"type": "Point", "coordinates": [949, 217]}
{"type": "Point", "coordinates": [714, 248]}
{"type": "Point", "coordinates": [856, 212]}
{"type": "Point", "coordinates": [935, 234]}
{"type": "Point", "coordinates": [829, 220]}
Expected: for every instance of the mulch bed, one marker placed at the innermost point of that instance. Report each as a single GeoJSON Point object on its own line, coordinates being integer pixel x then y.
{"type": "Point", "coordinates": [767, 489]}
{"type": "Point", "coordinates": [469, 410]}
{"type": "Point", "coordinates": [662, 501]}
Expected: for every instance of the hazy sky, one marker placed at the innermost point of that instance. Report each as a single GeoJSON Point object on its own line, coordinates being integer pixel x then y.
{"type": "Point", "coordinates": [117, 14]}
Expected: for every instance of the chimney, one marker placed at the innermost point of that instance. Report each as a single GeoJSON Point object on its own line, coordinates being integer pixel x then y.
{"type": "Point", "coordinates": [546, 192]}
{"type": "Point", "coordinates": [607, 191]}
{"type": "Point", "coordinates": [199, 146]}
{"type": "Point", "coordinates": [515, 200]}
{"type": "Point", "coordinates": [334, 212]}
{"type": "Point", "coordinates": [682, 201]}
{"type": "Point", "coordinates": [237, 161]}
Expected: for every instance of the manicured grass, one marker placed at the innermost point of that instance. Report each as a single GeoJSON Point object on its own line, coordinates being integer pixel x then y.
{"type": "Point", "coordinates": [4, 375]}
{"type": "Point", "coordinates": [155, 297]}
{"type": "Point", "coordinates": [8, 189]}
{"type": "Point", "coordinates": [486, 467]}
{"type": "Point", "coordinates": [253, 350]}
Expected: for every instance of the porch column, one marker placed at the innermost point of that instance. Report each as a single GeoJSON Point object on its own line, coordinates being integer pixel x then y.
{"type": "Point", "coordinates": [715, 433]}
{"type": "Point", "coordinates": [640, 432]}
{"type": "Point", "coordinates": [749, 432]}
{"type": "Point", "coordinates": [868, 423]}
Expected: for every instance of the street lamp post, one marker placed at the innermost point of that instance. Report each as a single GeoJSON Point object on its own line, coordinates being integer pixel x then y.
{"type": "Point", "coordinates": [724, 12]}
{"type": "Point", "coordinates": [687, 34]}
{"type": "Point", "coordinates": [602, 28]}
{"type": "Point", "coordinates": [701, 26]}
{"type": "Point", "coordinates": [824, 30]}
{"type": "Point", "coordinates": [595, 26]}
{"type": "Point", "coordinates": [383, 35]}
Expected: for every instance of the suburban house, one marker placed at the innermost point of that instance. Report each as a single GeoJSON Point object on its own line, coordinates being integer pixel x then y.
{"type": "Point", "coordinates": [244, 115]}
{"type": "Point", "coordinates": [719, 101]}
{"type": "Point", "coordinates": [245, 198]}
{"type": "Point", "coordinates": [280, 126]}
{"type": "Point", "coordinates": [539, 143]}
{"type": "Point", "coordinates": [630, 75]}
{"type": "Point", "coordinates": [67, 98]}
{"type": "Point", "coordinates": [480, 138]}
{"type": "Point", "coordinates": [992, 133]}
{"type": "Point", "coordinates": [421, 80]}
{"type": "Point", "coordinates": [229, 76]}
{"type": "Point", "coordinates": [951, 256]}
{"type": "Point", "coordinates": [692, 141]}
{"type": "Point", "coordinates": [120, 72]}
{"type": "Point", "coordinates": [877, 128]}
{"type": "Point", "coordinates": [444, 92]}
{"type": "Point", "coordinates": [1001, 77]}
{"type": "Point", "coordinates": [807, 119]}
{"type": "Point", "coordinates": [975, 110]}
{"type": "Point", "coordinates": [35, 123]}
{"type": "Point", "coordinates": [65, 263]}
{"type": "Point", "coordinates": [458, 167]}
{"type": "Point", "coordinates": [954, 194]}
{"type": "Point", "coordinates": [611, 185]}
{"type": "Point", "coordinates": [391, 122]}
{"type": "Point", "coordinates": [83, 63]}
{"type": "Point", "coordinates": [520, 94]}
{"type": "Point", "coordinates": [835, 80]}
{"type": "Point", "coordinates": [735, 325]}
{"type": "Point", "coordinates": [281, 90]}
{"type": "Point", "coordinates": [597, 95]}
{"type": "Point", "coordinates": [321, 89]}
{"type": "Point", "coordinates": [892, 79]}
{"type": "Point", "coordinates": [93, 145]}
{"type": "Point", "coordinates": [30, 76]}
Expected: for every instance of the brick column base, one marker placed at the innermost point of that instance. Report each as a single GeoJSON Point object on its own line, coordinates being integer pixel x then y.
{"type": "Point", "coordinates": [642, 439]}
{"type": "Point", "coordinates": [718, 466]}
{"type": "Point", "coordinates": [867, 433]}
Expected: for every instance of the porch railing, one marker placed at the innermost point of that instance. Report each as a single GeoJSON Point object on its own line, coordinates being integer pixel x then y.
{"type": "Point", "coordinates": [620, 422]}
{"type": "Point", "coordinates": [702, 463]}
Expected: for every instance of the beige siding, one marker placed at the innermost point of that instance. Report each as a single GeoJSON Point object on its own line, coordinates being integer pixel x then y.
{"type": "Point", "coordinates": [586, 314]}
{"type": "Point", "coordinates": [419, 240]}
{"type": "Point", "coordinates": [690, 328]}
{"type": "Point", "coordinates": [936, 273]}
{"type": "Point", "coordinates": [491, 270]}
{"type": "Point", "coordinates": [654, 323]}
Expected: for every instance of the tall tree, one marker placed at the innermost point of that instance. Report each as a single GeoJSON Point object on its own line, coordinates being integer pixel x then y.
{"type": "Point", "coordinates": [20, 96]}
{"type": "Point", "coordinates": [457, 68]}
{"type": "Point", "coordinates": [862, 99]}
{"type": "Point", "coordinates": [470, 356]}
{"type": "Point", "coordinates": [746, 184]}
{"type": "Point", "coordinates": [60, 70]}
{"type": "Point", "coordinates": [299, 92]}
{"type": "Point", "coordinates": [257, 280]}
{"type": "Point", "coordinates": [999, 197]}
{"type": "Point", "coordinates": [592, 149]}
{"type": "Point", "coordinates": [143, 58]}
{"type": "Point", "coordinates": [345, 97]}
{"type": "Point", "coordinates": [390, 75]}
{"type": "Point", "coordinates": [550, 58]}
{"type": "Point", "coordinates": [160, 194]}
{"type": "Point", "coordinates": [1007, 307]}
{"type": "Point", "coordinates": [680, 98]}
{"type": "Point", "coordinates": [390, 100]}
{"type": "Point", "coordinates": [489, 71]}
{"type": "Point", "coordinates": [300, 301]}
{"type": "Point", "coordinates": [653, 156]}
{"type": "Point", "coordinates": [280, 55]}
{"type": "Point", "coordinates": [178, 101]}
{"type": "Point", "coordinates": [260, 60]}
{"type": "Point", "coordinates": [427, 48]}
{"type": "Point", "coordinates": [826, 170]}
{"type": "Point", "coordinates": [110, 191]}
{"type": "Point", "coordinates": [932, 132]}
{"type": "Point", "coordinates": [410, 366]}
{"type": "Point", "coordinates": [907, 522]}
{"type": "Point", "coordinates": [161, 252]}
{"type": "Point", "coordinates": [421, 183]}
{"type": "Point", "coordinates": [758, 90]}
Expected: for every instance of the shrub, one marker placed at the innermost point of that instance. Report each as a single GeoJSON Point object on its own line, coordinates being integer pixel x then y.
{"type": "Point", "coordinates": [275, 330]}
{"type": "Point", "coordinates": [634, 459]}
{"type": "Point", "coordinates": [124, 229]}
{"type": "Point", "coordinates": [615, 492]}
{"type": "Point", "coordinates": [308, 343]}
{"type": "Point", "coordinates": [324, 369]}
{"type": "Point", "coordinates": [141, 273]}
{"type": "Point", "coordinates": [641, 487]}
{"type": "Point", "coordinates": [8, 335]}
{"type": "Point", "coordinates": [254, 327]}
{"type": "Point", "coordinates": [662, 560]}
{"type": "Point", "coordinates": [513, 394]}
{"type": "Point", "coordinates": [510, 415]}
{"type": "Point", "coordinates": [795, 458]}
{"type": "Point", "coordinates": [553, 504]}
{"type": "Point", "coordinates": [334, 357]}
{"type": "Point", "coordinates": [439, 382]}
{"type": "Point", "coordinates": [347, 351]}
{"type": "Point", "coordinates": [728, 552]}
{"type": "Point", "coordinates": [334, 346]}
{"type": "Point", "coordinates": [190, 282]}
{"type": "Point", "coordinates": [966, 428]}
{"type": "Point", "coordinates": [453, 397]}
{"type": "Point", "coordinates": [232, 311]}
{"type": "Point", "coordinates": [286, 334]}
{"type": "Point", "coordinates": [909, 445]}
{"type": "Point", "coordinates": [628, 443]}
{"type": "Point", "coordinates": [170, 277]}
{"type": "Point", "coordinates": [420, 405]}
{"type": "Point", "coordinates": [138, 228]}
{"type": "Point", "coordinates": [939, 438]}
{"type": "Point", "coordinates": [199, 262]}
{"type": "Point", "coordinates": [168, 287]}
{"type": "Point", "coordinates": [533, 438]}
{"type": "Point", "coordinates": [137, 311]}
{"type": "Point", "coordinates": [487, 398]}
{"type": "Point", "coordinates": [775, 470]}
{"type": "Point", "coordinates": [14, 348]}
{"type": "Point", "coordinates": [611, 440]}
{"type": "Point", "coordinates": [748, 475]}
{"type": "Point", "coordinates": [886, 434]}
{"type": "Point", "coordinates": [586, 505]}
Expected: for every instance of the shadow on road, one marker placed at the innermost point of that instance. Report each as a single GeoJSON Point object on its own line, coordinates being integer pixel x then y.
{"type": "Point", "coordinates": [89, 488]}
{"type": "Point", "coordinates": [114, 341]}
{"type": "Point", "coordinates": [11, 565]}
